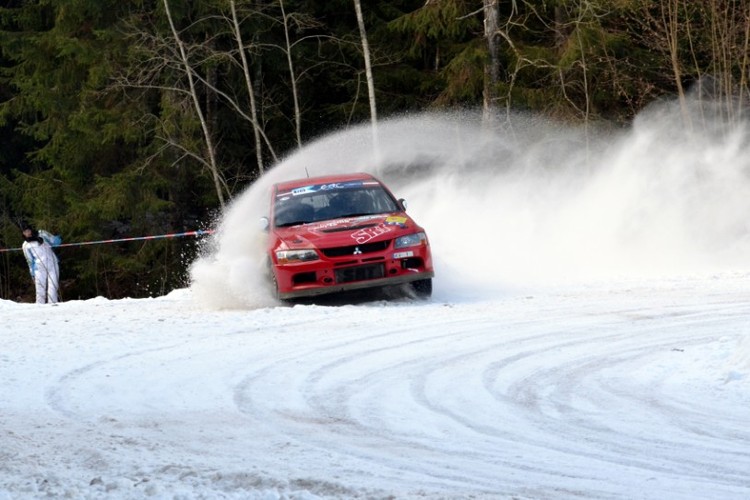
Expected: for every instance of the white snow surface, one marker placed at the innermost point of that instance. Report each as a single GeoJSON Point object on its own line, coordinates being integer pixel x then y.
{"type": "Point", "coordinates": [588, 337]}
{"type": "Point", "coordinates": [627, 390]}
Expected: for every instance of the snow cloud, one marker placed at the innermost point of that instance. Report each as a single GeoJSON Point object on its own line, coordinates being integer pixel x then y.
{"type": "Point", "coordinates": [527, 203]}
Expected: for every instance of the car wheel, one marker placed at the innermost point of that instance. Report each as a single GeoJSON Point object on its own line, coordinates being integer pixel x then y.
{"type": "Point", "coordinates": [273, 285]}
{"type": "Point", "coordinates": [422, 288]}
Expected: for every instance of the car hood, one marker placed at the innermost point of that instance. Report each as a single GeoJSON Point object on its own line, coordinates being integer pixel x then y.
{"type": "Point", "coordinates": [347, 231]}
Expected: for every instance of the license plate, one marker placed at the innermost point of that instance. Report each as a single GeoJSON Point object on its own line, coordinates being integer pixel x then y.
{"type": "Point", "coordinates": [401, 255]}
{"type": "Point", "coordinates": [360, 273]}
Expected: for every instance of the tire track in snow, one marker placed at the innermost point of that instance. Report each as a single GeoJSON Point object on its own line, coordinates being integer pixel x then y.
{"type": "Point", "coordinates": [552, 399]}
{"type": "Point", "coordinates": [328, 405]}
{"type": "Point", "coordinates": [58, 395]}
{"type": "Point", "coordinates": [555, 396]}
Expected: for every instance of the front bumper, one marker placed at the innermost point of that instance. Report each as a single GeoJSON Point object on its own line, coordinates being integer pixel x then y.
{"type": "Point", "coordinates": [356, 285]}
{"type": "Point", "coordinates": [353, 272]}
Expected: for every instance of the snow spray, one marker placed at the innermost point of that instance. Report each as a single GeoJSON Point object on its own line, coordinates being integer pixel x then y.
{"type": "Point", "coordinates": [529, 203]}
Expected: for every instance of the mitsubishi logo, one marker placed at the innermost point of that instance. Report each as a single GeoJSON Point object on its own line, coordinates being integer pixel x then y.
{"type": "Point", "coordinates": [357, 251]}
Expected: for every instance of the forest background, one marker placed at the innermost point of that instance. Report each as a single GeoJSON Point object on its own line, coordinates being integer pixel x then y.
{"type": "Point", "coordinates": [123, 118]}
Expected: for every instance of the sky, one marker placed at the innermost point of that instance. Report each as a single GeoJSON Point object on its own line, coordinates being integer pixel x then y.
{"type": "Point", "coordinates": [588, 337]}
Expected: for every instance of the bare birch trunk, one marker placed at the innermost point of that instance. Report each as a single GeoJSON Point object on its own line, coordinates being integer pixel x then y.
{"type": "Point", "coordinates": [250, 89]}
{"type": "Point", "coordinates": [670, 19]}
{"type": "Point", "coordinates": [292, 77]}
{"type": "Point", "coordinates": [210, 150]}
{"type": "Point", "coordinates": [492, 66]}
{"type": "Point", "coordinates": [744, 66]}
{"type": "Point", "coordinates": [368, 72]}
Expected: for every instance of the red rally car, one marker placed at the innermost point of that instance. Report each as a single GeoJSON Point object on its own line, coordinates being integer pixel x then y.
{"type": "Point", "coordinates": [343, 232]}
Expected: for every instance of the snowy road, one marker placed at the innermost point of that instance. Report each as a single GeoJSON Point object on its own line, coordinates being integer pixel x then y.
{"type": "Point", "coordinates": [624, 390]}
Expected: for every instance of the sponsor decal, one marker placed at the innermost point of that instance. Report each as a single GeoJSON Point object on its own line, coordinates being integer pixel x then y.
{"type": "Point", "coordinates": [335, 223]}
{"type": "Point", "coordinates": [334, 186]}
{"type": "Point", "coordinates": [395, 220]}
{"type": "Point", "coordinates": [368, 233]}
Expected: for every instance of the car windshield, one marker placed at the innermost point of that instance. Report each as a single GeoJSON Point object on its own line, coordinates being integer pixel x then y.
{"type": "Point", "coordinates": [316, 203]}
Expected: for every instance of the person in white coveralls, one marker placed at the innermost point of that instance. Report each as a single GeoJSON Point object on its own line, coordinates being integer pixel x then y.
{"type": "Point", "coordinates": [43, 264]}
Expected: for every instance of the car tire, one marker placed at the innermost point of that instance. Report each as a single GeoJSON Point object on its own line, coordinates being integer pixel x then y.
{"type": "Point", "coordinates": [273, 284]}
{"type": "Point", "coordinates": [422, 288]}
{"type": "Point", "coordinates": [274, 287]}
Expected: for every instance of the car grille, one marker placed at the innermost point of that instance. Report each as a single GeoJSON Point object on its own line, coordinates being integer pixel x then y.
{"type": "Point", "coordinates": [360, 273]}
{"type": "Point", "coordinates": [378, 246]}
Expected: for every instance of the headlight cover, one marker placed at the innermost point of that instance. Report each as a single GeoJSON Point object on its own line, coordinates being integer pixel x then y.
{"type": "Point", "coordinates": [292, 256]}
{"type": "Point", "coordinates": [410, 240]}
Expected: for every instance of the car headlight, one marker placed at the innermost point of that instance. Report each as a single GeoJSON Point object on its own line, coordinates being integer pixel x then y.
{"type": "Point", "coordinates": [410, 240]}
{"type": "Point", "coordinates": [291, 256]}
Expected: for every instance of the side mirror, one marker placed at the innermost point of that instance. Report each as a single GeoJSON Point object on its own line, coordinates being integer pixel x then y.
{"type": "Point", "coordinates": [402, 202]}
{"type": "Point", "coordinates": [264, 223]}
